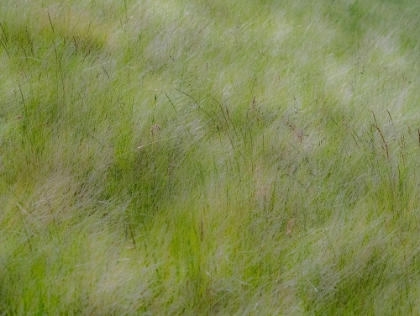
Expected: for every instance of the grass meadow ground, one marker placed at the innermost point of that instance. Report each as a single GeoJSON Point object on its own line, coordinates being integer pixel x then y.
{"type": "Point", "coordinates": [209, 157]}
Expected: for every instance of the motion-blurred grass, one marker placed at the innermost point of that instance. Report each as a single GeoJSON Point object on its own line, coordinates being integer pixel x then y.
{"type": "Point", "coordinates": [209, 157]}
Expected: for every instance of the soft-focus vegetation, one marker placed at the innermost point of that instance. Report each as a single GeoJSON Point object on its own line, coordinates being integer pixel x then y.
{"type": "Point", "coordinates": [209, 157]}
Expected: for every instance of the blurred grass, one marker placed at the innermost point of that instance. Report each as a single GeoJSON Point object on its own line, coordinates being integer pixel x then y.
{"type": "Point", "coordinates": [209, 157]}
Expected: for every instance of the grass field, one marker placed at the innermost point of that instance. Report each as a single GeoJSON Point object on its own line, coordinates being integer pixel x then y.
{"type": "Point", "coordinates": [209, 157]}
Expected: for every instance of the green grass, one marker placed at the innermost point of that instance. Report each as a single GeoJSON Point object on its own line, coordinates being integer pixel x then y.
{"type": "Point", "coordinates": [209, 157]}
